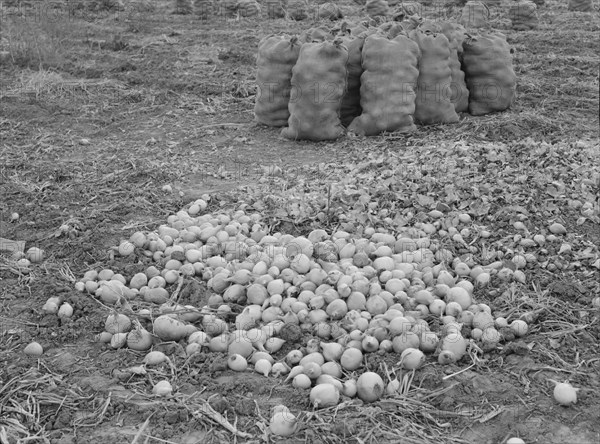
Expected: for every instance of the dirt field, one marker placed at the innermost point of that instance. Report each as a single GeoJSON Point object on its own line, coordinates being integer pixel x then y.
{"type": "Point", "coordinates": [113, 120]}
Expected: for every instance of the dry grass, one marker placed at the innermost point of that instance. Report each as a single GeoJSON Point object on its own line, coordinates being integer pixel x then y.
{"type": "Point", "coordinates": [26, 402]}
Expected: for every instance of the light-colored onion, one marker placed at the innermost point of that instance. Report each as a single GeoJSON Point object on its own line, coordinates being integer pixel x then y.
{"type": "Point", "coordinates": [393, 387]}
{"type": "Point", "coordinates": [519, 327]}
{"type": "Point", "coordinates": [118, 340]}
{"type": "Point", "coordinates": [351, 359]}
{"type": "Point", "coordinates": [169, 329]}
{"type": "Point", "coordinates": [139, 338]}
{"type": "Point", "coordinates": [370, 387]}
{"type": "Point", "coordinates": [162, 388]}
{"type": "Point", "coordinates": [192, 348]}
{"type": "Point", "coordinates": [273, 345]}
{"type": "Point", "coordinates": [283, 423]}
{"type": "Point", "coordinates": [350, 389]}
{"type": "Point", "coordinates": [65, 310]}
{"type": "Point", "coordinates": [279, 369]}
{"type": "Point", "coordinates": [332, 351]}
{"type": "Point", "coordinates": [455, 343]}
{"type": "Point", "coordinates": [332, 368]}
{"type": "Point", "coordinates": [446, 357]}
{"type": "Point", "coordinates": [263, 366]}
{"type": "Point", "coordinates": [295, 371]}
{"type": "Point", "coordinates": [103, 337]}
{"type": "Point", "coordinates": [301, 381]}
{"type": "Point", "coordinates": [482, 320]}
{"type": "Point", "coordinates": [412, 358]}
{"type": "Point", "coordinates": [406, 340]}
{"type": "Point", "coordinates": [237, 362]}
{"type": "Point", "coordinates": [324, 395]}
{"type": "Point", "coordinates": [117, 323]}
{"type": "Point", "coordinates": [33, 349]}
{"type": "Point", "coordinates": [328, 379]}
{"type": "Point", "coordinates": [370, 344]}
{"type": "Point", "coordinates": [565, 394]}
{"type": "Point", "coordinates": [155, 358]}
{"type": "Point", "coordinates": [52, 305]}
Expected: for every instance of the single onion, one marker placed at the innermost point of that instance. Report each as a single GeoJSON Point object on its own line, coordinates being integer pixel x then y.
{"type": "Point", "coordinates": [351, 359]}
{"type": "Point", "coordinates": [263, 366]}
{"type": "Point", "coordinates": [350, 388]}
{"type": "Point", "coordinates": [283, 423]}
{"type": "Point", "coordinates": [519, 327]}
{"type": "Point", "coordinates": [455, 343]}
{"type": "Point", "coordinates": [370, 387]}
{"type": "Point", "coordinates": [412, 358]}
{"type": "Point", "coordinates": [279, 368]}
{"type": "Point", "coordinates": [237, 362]}
{"type": "Point", "coordinates": [324, 395]}
{"type": "Point", "coordinates": [446, 357]}
{"type": "Point", "coordinates": [33, 349]}
{"type": "Point", "coordinates": [302, 381]}
{"type": "Point", "coordinates": [393, 387]}
{"type": "Point", "coordinates": [162, 388]}
{"type": "Point", "coordinates": [564, 393]}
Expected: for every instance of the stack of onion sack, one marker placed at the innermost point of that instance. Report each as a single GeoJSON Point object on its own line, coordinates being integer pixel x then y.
{"type": "Point", "coordinates": [387, 96]}
{"type": "Point", "coordinates": [296, 9]}
{"type": "Point", "coordinates": [316, 34]}
{"type": "Point", "coordinates": [580, 5]}
{"type": "Point", "coordinates": [248, 8]}
{"type": "Point", "coordinates": [350, 108]}
{"type": "Point", "coordinates": [277, 56]}
{"type": "Point", "coordinates": [492, 82]}
{"type": "Point", "coordinates": [377, 8]}
{"type": "Point", "coordinates": [274, 8]}
{"type": "Point", "coordinates": [475, 14]}
{"type": "Point", "coordinates": [456, 34]}
{"type": "Point", "coordinates": [523, 15]}
{"type": "Point", "coordinates": [434, 84]}
{"type": "Point", "coordinates": [318, 85]}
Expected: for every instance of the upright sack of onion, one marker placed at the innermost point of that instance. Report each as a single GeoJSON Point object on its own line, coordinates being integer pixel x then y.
{"type": "Point", "coordinates": [434, 84]}
{"type": "Point", "coordinates": [318, 86]}
{"type": "Point", "coordinates": [387, 97]}
{"type": "Point", "coordinates": [489, 73]}
{"type": "Point", "coordinates": [277, 55]}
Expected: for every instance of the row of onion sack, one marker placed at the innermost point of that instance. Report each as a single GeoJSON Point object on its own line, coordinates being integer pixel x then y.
{"type": "Point", "coordinates": [522, 13]}
{"type": "Point", "coordinates": [272, 9]}
{"type": "Point", "coordinates": [474, 14]}
{"type": "Point", "coordinates": [380, 79]}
